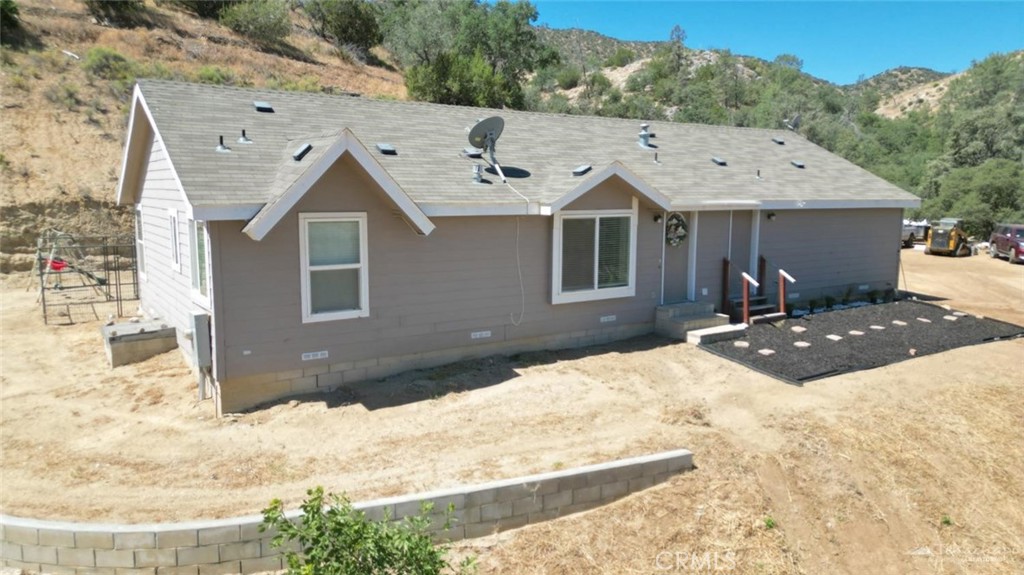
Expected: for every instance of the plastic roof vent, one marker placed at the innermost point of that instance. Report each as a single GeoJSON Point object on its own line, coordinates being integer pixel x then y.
{"type": "Point", "coordinates": [779, 141]}
{"type": "Point", "coordinates": [262, 106]}
{"type": "Point", "coordinates": [719, 161]}
{"type": "Point", "coordinates": [473, 152]}
{"type": "Point", "coordinates": [387, 149]}
{"type": "Point", "coordinates": [301, 152]}
{"type": "Point", "coordinates": [798, 164]}
{"type": "Point", "coordinates": [580, 170]}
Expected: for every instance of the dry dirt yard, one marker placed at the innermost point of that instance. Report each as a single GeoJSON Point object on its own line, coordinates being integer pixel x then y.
{"type": "Point", "coordinates": [916, 467]}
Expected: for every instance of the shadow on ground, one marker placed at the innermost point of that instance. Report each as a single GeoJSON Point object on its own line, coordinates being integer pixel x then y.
{"type": "Point", "coordinates": [433, 383]}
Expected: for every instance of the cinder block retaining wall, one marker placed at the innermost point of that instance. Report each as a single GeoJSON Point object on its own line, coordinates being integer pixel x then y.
{"type": "Point", "coordinates": [227, 546]}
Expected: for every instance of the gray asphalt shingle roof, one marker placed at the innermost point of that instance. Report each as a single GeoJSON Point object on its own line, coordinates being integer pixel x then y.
{"type": "Point", "coordinates": [541, 149]}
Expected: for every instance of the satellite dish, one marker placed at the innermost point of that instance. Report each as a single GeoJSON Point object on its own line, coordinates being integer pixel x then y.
{"type": "Point", "coordinates": [484, 135]}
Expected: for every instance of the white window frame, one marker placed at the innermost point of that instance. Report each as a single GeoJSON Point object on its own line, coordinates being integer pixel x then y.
{"type": "Point", "coordinates": [172, 226]}
{"type": "Point", "coordinates": [140, 244]}
{"type": "Point", "coordinates": [629, 290]}
{"type": "Point", "coordinates": [198, 296]}
{"type": "Point", "coordinates": [363, 266]}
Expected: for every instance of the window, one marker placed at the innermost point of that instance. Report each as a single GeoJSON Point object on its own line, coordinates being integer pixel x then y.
{"type": "Point", "coordinates": [594, 256]}
{"type": "Point", "coordinates": [199, 239]}
{"type": "Point", "coordinates": [140, 247]}
{"type": "Point", "coordinates": [172, 221]}
{"type": "Point", "coordinates": [334, 278]}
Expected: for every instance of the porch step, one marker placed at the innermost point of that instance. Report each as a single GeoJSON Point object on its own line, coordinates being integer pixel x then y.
{"type": "Point", "coordinates": [755, 310]}
{"type": "Point", "coordinates": [718, 333]}
{"type": "Point", "coordinates": [679, 327]}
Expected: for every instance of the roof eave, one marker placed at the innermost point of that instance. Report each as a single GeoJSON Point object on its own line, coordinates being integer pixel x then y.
{"type": "Point", "coordinates": [616, 168]}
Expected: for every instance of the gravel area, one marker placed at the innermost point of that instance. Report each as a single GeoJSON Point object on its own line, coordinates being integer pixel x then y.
{"type": "Point", "coordinates": [826, 344]}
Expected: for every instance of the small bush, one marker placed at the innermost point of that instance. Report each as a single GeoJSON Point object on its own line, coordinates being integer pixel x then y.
{"type": "Point", "coordinates": [335, 539]}
{"type": "Point", "coordinates": [347, 23]}
{"type": "Point", "coordinates": [215, 75]}
{"type": "Point", "coordinates": [202, 8]}
{"type": "Point", "coordinates": [263, 21]}
{"type": "Point", "coordinates": [620, 58]}
{"type": "Point", "coordinates": [568, 77]}
{"type": "Point", "coordinates": [769, 522]}
{"type": "Point", "coordinates": [599, 83]}
{"type": "Point", "coordinates": [64, 95]}
{"type": "Point", "coordinates": [108, 64]}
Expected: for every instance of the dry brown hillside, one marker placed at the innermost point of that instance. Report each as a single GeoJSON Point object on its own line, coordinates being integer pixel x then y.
{"type": "Point", "coordinates": [62, 128]}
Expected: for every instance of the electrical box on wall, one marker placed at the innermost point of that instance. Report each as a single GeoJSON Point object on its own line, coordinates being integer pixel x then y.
{"type": "Point", "coordinates": [201, 343]}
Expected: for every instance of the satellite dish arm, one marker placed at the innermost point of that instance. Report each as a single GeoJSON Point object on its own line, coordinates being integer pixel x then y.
{"type": "Point", "coordinates": [494, 161]}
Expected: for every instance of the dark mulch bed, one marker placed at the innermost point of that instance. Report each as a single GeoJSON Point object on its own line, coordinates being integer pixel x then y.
{"type": "Point", "coordinates": [825, 357]}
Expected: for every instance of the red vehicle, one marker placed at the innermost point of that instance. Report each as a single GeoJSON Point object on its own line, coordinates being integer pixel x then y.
{"type": "Point", "coordinates": [1007, 241]}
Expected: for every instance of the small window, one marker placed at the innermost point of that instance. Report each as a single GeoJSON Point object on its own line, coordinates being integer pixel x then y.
{"type": "Point", "coordinates": [200, 242]}
{"type": "Point", "coordinates": [333, 253]}
{"type": "Point", "coordinates": [140, 246]}
{"type": "Point", "coordinates": [172, 226]}
{"type": "Point", "coordinates": [594, 255]}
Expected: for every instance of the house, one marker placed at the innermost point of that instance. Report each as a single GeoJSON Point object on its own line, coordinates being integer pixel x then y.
{"type": "Point", "coordinates": [302, 241]}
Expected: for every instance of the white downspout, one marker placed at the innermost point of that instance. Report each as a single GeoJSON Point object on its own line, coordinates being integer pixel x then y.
{"type": "Point", "coordinates": [755, 240]}
{"type": "Point", "coordinates": [691, 264]}
{"type": "Point", "coordinates": [664, 228]}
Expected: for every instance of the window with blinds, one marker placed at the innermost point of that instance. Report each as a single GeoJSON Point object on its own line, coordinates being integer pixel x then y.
{"type": "Point", "coordinates": [596, 255]}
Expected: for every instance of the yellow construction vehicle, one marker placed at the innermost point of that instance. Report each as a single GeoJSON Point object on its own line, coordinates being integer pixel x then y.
{"type": "Point", "coordinates": [948, 238]}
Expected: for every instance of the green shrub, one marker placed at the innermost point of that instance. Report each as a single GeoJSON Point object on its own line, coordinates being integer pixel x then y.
{"type": "Point", "coordinates": [568, 77]}
{"type": "Point", "coordinates": [599, 83]}
{"type": "Point", "coordinates": [64, 95]}
{"type": "Point", "coordinates": [108, 64]}
{"type": "Point", "coordinates": [351, 23]}
{"type": "Point", "coordinates": [215, 75]}
{"type": "Point", "coordinates": [263, 21]}
{"type": "Point", "coordinates": [335, 539]}
{"type": "Point", "coordinates": [620, 58]}
{"type": "Point", "coordinates": [8, 16]}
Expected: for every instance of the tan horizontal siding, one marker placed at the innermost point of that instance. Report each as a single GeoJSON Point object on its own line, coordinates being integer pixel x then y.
{"type": "Point", "coordinates": [426, 293]}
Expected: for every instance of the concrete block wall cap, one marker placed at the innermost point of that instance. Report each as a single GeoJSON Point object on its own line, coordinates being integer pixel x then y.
{"type": "Point", "coordinates": [453, 492]}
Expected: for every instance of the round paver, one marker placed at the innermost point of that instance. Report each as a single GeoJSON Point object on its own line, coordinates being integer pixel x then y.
{"type": "Point", "coordinates": [959, 314]}
{"type": "Point", "coordinates": [856, 332]}
{"type": "Point", "coordinates": [801, 344]}
{"type": "Point", "coordinates": [898, 322]}
{"type": "Point", "coordinates": [877, 327]}
{"type": "Point", "coordinates": [924, 320]}
{"type": "Point", "coordinates": [798, 328]}
{"type": "Point", "coordinates": [834, 337]}
{"type": "Point", "coordinates": [766, 352]}
{"type": "Point", "coordinates": [950, 317]}
{"type": "Point", "coordinates": [743, 344]}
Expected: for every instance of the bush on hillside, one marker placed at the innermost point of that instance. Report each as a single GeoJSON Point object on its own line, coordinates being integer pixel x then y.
{"type": "Point", "coordinates": [346, 23]}
{"type": "Point", "coordinates": [263, 21]}
{"type": "Point", "coordinates": [8, 16]}
{"type": "Point", "coordinates": [108, 64]}
{"type": "Point", "coordinates": [620, 58]}
{"type": "Point", "coordinates": [568, 77]}
{"type": "Point", "coordinates": [336, 539]}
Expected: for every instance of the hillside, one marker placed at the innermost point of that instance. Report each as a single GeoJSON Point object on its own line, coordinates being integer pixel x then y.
{"type": "Point", "coordinates": [583, 47]}
{"type": "Point", "coordinates": [63, 122]}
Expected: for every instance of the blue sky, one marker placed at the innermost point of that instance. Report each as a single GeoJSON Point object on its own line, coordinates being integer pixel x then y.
{"type": "Point", "coordinates": [838, 41]}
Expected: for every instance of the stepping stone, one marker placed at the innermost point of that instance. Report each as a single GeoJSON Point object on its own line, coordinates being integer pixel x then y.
{"type": "Point", "coordinates": [877, 327]}
{"type": "Point", "coordinates": [801, 344]}
{"type": "Point", "coordinates": [855, 332]}
{"type": "Point", "coordinates": [834, 337]}
{"type": "Point", "coordinates": [766, 352]}
{"type": "Point", "coordinates": [742, 344]}
{"type": "Point", "coordinates": [946, 307]}
{"type": "Point", "coordinates": [898, 322]}
{"type": "Point", "coordinates": [950, 317]}
{"type": "Point", "coordinates": [924, 319]}
{"type": "Point", "coordinates": [913, 352]}
{"type": "Point", "coordinates": [798, 328]}
{"type": "Point", "coordinates": [959, 314]}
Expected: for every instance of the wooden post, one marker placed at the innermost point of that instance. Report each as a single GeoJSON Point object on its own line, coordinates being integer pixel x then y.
{"type": "Point", "coordinates": [762, 267]}
{"type": "Point", "coordinates": [725, 287]}
{"type": "Point", "coordinates": [783, 278]}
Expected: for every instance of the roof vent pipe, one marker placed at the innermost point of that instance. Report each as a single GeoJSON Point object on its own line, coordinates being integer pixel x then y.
{"type": "Point", "coordinates": [477, 173]}
{"type": "Point", "coordinates": [645, 136]}
{"type": "Point", "coordinates": [221, 147]}
{"type": "Point", "coordinates": [244, 139]}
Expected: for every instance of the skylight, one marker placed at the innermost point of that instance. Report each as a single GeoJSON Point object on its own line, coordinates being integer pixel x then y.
{"type": "Point", "coordinates": [262, 106]}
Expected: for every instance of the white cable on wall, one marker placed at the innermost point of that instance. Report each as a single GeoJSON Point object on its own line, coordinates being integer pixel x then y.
{"type": "Point", "coordinates": [522, 289]}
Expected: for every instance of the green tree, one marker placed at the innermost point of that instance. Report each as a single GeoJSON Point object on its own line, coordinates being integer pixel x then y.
{"type": "Point", "coordinates": [263, 21]}
{"type": "Point", "coordinates": [345, 22]}
{"type": "Point", "coordinates": [9, 21]}
{"type": "Point", "coordinates": [119, 12]}
{"type": "Point", "coordinates": [203, 8]}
